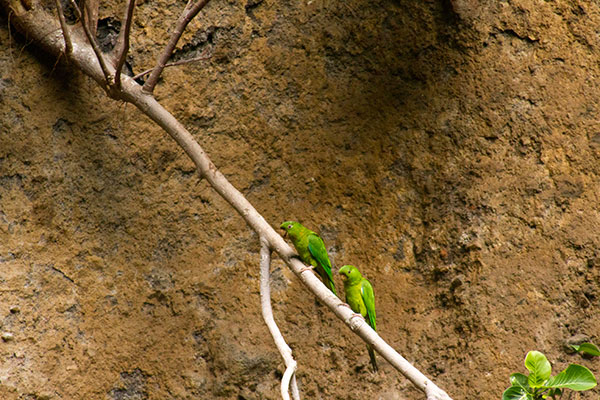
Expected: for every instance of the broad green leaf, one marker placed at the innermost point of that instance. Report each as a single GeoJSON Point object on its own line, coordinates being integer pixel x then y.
{"type": "Point", "coordinates": [519, 380]}
{"type": "Point", "coordinates": [516, 393]}
{"type": "Point", "coordinates": [539, 368]}
{"type": "Point", "coordinates": [575, 377]}
{"type": "Point", "coordinates": [587, 348]}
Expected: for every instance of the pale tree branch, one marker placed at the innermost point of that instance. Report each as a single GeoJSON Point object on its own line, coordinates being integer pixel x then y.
{"type": "Point", "coordinates": [204, 56]}
{"type": "Point", "coordinates": [189, 12]}
{"type": "Point", "coordinates": [123, 42]}
{"type": "Point", "coordinates": [65, 28]}
{"type": "Point", "coordinates": [45, 31]}
{"type": "Point", "coordinates": [289, 377]}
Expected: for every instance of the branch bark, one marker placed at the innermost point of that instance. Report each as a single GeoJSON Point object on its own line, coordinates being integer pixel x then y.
{"type": "Point", "coordinates": [44, 30]}
{"type": "Point", "coordinates": [265, 301]}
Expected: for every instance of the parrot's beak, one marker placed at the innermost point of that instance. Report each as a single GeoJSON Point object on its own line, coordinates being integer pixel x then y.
{"type": "Point", "coordinates": [284, 232]}
{"type": "Point", "coordinates": [343, 276]}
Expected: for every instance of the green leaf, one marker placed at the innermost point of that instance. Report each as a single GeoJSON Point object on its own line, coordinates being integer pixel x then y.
{"type": "Point", "coordinates": [519, 380]}
{"type": "Point", "coordinates": [516, 393]}
{"type": "Point", "coordinates": [539, 368]}
{"type": "Point", "coordinates": [587, 348]}
{"type": "Point", "coordinates": [575, 377]}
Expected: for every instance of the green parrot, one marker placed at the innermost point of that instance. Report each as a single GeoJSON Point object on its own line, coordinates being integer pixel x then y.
{"type": "Point", "coordinates": [311, 249]}
{"type": "Point", "coordinates": [360, 298]}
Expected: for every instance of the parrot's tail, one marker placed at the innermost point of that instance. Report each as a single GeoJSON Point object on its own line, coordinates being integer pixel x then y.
{"type": "Point", "coordinates": [372, 357]}
{"type": "Point", "coordinates": [332, 286]}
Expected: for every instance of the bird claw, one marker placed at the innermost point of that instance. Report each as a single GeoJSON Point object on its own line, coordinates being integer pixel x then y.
{"type": "Point", "coordinates": [354, 314]}
{"type": "Point", "coordinates": [306, 269]}
{"type": "Point", "coordinates": [357, 315]}
{"type": "Point", "coordinates": [355, 320]}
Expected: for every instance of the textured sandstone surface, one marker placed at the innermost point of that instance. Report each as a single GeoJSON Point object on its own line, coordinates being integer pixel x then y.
{"type": "Point", "coordinates": [449, 149]}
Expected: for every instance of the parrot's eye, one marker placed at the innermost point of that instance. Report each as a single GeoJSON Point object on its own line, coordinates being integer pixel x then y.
{"type": "Point", "coordinates": [289, 226]}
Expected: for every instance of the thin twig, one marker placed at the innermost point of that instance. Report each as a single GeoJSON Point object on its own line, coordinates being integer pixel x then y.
{"type": "Point", "coordinates": [67, 277]}
{"type": "Point", "coordinates": [10, 53]}
{"type": "Point", "coordinates": [189, 12]}
{"type": "Point", "coordinates": [119, 45]}
{"type": "Point", "coordinates": [180, 62]}
{"type": "Point", "coordinates": [90, 8]}
{"type": "Point", "coordinates": [123, 42]}
{"type": "Point", "coordinates": [65, 29]}
{"type": "Point", "coordinates": [265, 301]}
{"type": "Point", "coordinates": [93, 43]}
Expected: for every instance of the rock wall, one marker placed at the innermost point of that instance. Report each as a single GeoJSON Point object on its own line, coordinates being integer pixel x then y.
{"type": "Point", "coordinates": [449, 149]}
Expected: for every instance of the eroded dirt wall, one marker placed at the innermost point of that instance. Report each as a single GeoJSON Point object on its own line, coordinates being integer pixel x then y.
{"type": "Point", "coordinates": [449, 149]}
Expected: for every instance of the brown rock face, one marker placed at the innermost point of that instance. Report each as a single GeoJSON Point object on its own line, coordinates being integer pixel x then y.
{"type": "Point", "coordinates": [448, 149]}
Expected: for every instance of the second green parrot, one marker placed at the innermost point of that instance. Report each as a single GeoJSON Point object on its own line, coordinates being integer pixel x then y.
{"type": "Point", "coordinates": [361, 299]}
{"type": "Point", "coordinates": [311, 249]}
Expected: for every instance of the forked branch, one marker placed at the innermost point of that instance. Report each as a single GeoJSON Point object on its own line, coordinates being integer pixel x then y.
{"type": "Point", "coordinates": [37, 24]}
{"type": "Point", "coordinates": [189, 12]}
{"type": "Point", "coordinates": [289, 376]}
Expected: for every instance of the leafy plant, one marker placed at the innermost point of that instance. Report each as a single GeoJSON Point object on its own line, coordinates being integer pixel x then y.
{"type": "Point", "coordinates": [587, 348]}
{"type": "Point", "coordinates": [540, 384]}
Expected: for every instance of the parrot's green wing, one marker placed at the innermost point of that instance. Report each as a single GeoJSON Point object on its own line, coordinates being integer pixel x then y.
{"type": "Point", "coordinates": [319, 252]}
{"type": "Point", "coordinates": [366, 291]}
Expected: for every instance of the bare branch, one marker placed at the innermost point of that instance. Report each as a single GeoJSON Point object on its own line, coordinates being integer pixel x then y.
{"type": "Point", "coordinates": [267, 311]}
{"type": "Point", "coordinates": [91, 15]}
{"type": "Point", "coordinates": [201, 57]}
{"type": "Point", "coordinates": [36, 23]}
{"type": "Point", "coordinates": [289, 379]}
{"type": "Point", "coordinates": [93, 43]}
{"type": "Point", "coordinates": [119, 45]}
{"type": "Point", "coordinates": [189, 12]}
{"type": "Point", "coordinates": [123, 42]}
{"type": "Point", "coordinates": [65, 28]}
